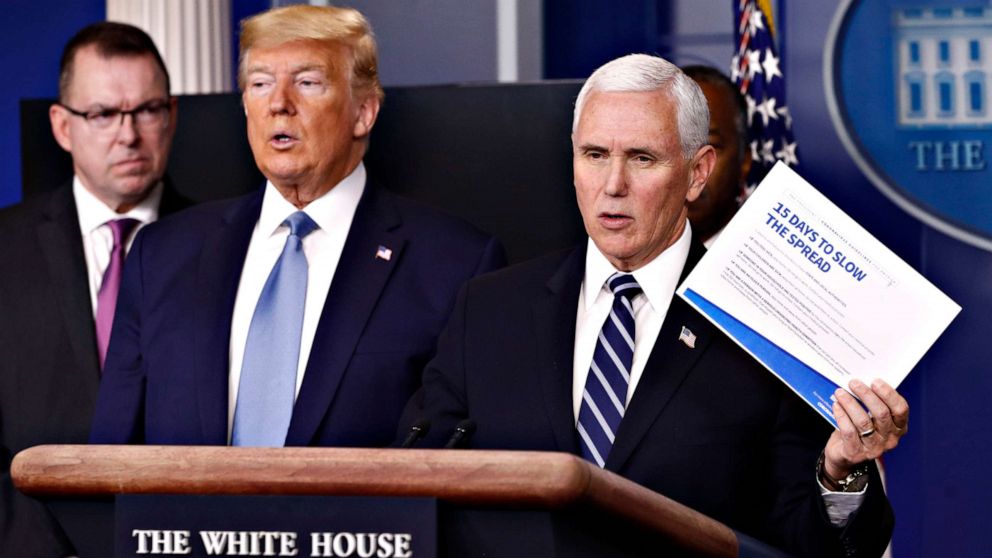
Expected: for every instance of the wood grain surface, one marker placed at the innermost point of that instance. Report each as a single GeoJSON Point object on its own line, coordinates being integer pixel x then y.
{"type": "Point", "coordinates": [543, 480]}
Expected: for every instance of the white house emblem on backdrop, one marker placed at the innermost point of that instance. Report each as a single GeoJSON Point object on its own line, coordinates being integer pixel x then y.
{"type": "Point", "coordinates": [907, 84]}
{"type": "Point", "coordinates": [944, 56]}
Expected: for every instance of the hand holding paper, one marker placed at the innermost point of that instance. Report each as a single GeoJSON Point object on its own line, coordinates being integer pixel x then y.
{"type": "Point", "coordinates": [862, 437]}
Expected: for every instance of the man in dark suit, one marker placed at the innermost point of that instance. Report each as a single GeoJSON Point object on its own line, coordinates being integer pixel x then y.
{"type": "Point", "coordinates": [58, 285]}
{"type": "Point", "coordinates": [226, 332]}
{"type": "Point", "coordinates": [589, 352]}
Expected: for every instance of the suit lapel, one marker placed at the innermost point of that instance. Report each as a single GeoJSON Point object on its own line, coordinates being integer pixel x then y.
{"type": "Point", "coordinates": [554, 322]}
{"type": "Point", "coordinates": [61, 245]}
{"type": "Point", "coordinates": [61, 242]}
{"type": "Point", "coordinates": [668, 366]}
{"type": "Point", "coordinates": [358, 282]}
{"type": "Point", "coordinates": [218, 275]}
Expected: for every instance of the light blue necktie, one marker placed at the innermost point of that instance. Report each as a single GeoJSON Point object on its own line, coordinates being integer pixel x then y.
{"type": "Point", "coordinates": [272, 352]}
{"type": "Point", "coordinates": [605, 395]}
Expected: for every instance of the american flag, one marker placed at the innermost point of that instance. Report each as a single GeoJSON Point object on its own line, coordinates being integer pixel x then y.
{"type": "Point", "coordinates": [756, 69]}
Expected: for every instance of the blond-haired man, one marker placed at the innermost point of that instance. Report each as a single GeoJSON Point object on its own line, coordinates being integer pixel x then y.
{"type": "Point", "coordinates": [301, 314]}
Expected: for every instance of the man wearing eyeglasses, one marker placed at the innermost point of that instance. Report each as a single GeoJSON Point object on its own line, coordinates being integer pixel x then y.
{"type": "Point", "coordinates": [62, 254]}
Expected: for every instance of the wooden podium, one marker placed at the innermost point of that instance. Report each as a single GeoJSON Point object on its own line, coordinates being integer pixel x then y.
{"type": "Point", "coordinates": [473, 486]}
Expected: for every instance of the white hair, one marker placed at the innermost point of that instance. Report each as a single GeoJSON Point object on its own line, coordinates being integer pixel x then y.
{"type": "Point", "coordinates": [641, 72]}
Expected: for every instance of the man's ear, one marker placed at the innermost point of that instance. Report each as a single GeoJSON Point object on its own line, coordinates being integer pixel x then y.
{"type": "Point", "coordinates": [746, 164]}
{"type": "Point", "coordinates": [368, 111]}
{"type": "Point", "coordinates": [59, 117]}
{"type": "Point", "coordinates": [700, 168]}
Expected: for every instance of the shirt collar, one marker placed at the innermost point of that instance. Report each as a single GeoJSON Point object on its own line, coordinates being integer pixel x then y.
{"type": "Point", "coordinates": [658, 278]}
{"type": "Point", "coordinates": [335, 206]}
{"type": "Point", "coordinates": [93, 213]}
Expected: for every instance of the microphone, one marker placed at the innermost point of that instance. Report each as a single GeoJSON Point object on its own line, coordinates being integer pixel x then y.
{"type": "Point", "coordinates": [462, 433]}
{"type": "Point", "coordinates": [417, 431]}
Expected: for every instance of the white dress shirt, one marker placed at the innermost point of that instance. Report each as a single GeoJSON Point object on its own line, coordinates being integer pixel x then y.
{"type": "Point", "coordinates": [658, 280]}
{"type": "Point", "coordinates": [98, 239]}
{"type": "Point", "coordinates": [333, 213]}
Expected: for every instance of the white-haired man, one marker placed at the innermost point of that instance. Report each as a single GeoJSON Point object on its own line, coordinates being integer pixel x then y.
{"type": "Point", "coordinates": [585, 351]}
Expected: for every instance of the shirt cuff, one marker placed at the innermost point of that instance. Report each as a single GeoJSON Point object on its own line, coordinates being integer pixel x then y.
{"type": "Point", "coordinates": [840, 505]}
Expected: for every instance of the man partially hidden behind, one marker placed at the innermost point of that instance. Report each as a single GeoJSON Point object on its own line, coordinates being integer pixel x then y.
{"type": "Point", "coordinates": [589, 352]}
{"type": "Point", "coordinates": [721, 198]}
{"type": "Point", "coordinates": [302, 314]}
{"type": "Point", "coordinates": [63, 251]}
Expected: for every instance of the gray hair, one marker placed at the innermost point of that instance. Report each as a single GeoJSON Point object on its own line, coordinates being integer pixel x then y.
{"type": "Point", "coordinates": [641, 72]}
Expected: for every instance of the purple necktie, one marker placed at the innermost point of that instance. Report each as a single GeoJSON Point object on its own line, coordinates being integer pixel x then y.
{"type": "Point", "coordinates": [106, 299]}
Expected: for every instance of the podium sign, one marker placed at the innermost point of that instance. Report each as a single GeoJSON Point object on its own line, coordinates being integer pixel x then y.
{"type": "Point", "coordinates": [304, 526]}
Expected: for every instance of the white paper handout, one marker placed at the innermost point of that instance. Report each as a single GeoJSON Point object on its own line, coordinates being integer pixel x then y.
{"type": "Point", "coordinates": [813, 296]}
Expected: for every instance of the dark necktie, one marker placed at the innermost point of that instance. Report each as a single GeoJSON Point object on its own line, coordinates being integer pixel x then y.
{"type": "Point", "coordinates": [267, 386]}
{"type": "Point", "coordinates": [605, 395]}
{"type": "Point", "coordinates": [106, 298]}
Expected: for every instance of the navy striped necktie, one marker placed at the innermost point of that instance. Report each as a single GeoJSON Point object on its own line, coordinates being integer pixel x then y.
{"type": "Point", "coordinates": [605, 395]}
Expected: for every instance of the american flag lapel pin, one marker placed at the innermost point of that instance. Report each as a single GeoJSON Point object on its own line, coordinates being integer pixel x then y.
{"type": "Point", "coordinates": [688, 337]}
{"type": "Point", "coordinates": [383, 253]}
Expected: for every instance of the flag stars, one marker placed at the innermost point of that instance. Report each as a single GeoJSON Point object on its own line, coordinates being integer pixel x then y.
{"type": "Point", "coordinates": [771, 66]}
{"type": "Point", "coordinates": [768, 151]}
{"type": "Point", "coordinates": [753, 63]}
{"type": "Point", "coordinates": [756, 21]}
{"type": "Point", "coordinates": [767, 110]}
{"type": "Point", "coordinates": [788, 154]}
{"type": "Point", "coordinates": [759, 73]}
{"type": "Point", "coordinates": [735, 69]}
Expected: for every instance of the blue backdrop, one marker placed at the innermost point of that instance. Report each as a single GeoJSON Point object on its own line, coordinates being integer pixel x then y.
{"type": "Point", "coordinates": [32, 35]}
{"type": "Point", "coordinates": [937, 479]}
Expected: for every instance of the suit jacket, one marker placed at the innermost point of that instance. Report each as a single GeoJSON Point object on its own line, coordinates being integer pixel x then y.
{"type": "Point", "coordinates": [49, 369]}
{"type": "Point", "coordinates": [166, 377]}
{"type": "Point", "coordinates": [706, 426]}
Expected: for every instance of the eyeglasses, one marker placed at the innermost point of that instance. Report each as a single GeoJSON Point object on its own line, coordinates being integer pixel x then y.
{"type": "Point", "coordinates": [149, 116]}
